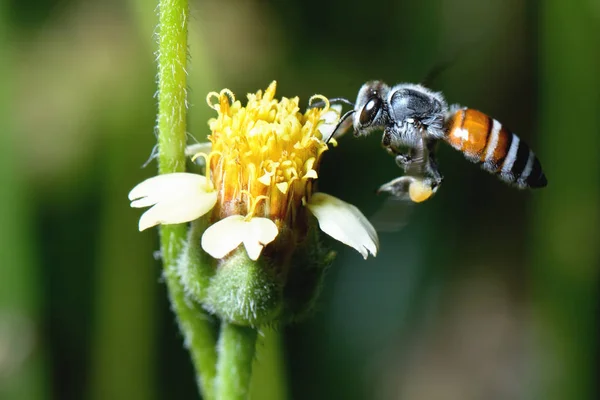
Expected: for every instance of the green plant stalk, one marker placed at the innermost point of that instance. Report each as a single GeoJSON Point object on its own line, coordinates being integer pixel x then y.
{"type": "Point", "coordinates": [172, 107]}
{"type": "Point", "coordinates": [198, 330]}
{"type": "Point", "coordinates": [237, 345]}
{"type": "Point", "coordinates": [172, 85]}
{"type": "Point", "coordinates": [269, 372]}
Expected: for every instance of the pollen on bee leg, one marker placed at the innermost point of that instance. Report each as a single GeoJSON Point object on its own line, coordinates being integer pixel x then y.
{"type": "Point", "coordinates": [419, 191]}
{"type": "Point", "coordinates": [408, 187]}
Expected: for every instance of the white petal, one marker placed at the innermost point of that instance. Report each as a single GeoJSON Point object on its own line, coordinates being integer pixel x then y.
{"type": "Point", "coordinates": [253, 249]}
{"type": "Point", "coordinates": [177, 198]}
{"type": "Point", "coordinates": [344, 222]}
{"type": "Point", "coordinates": [326, 131]}
{"type": "Point", "coordinates": [143, 202]}
{"type": "Point", "coordinates": [261, 231]}
{"type": "Point", "coordinates": [226, 235]}
{"type": "Point", "coordinates": [333, 115]}
{"type": "Point", "coordinates": [329, 121]}
{"type": "Point", "coordinates": [161, 185]}
{"type": "Point", "coordinates": [178, 211]}
{"type": "Point", "coordinates": [337, 108]}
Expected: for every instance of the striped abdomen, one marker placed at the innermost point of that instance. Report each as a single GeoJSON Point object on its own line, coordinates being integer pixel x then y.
{"type": "Point", "coordinates": [485, 141]}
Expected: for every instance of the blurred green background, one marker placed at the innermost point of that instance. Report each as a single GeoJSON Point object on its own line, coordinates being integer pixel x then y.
{"type": "Point", "coordinates": [487, 293]}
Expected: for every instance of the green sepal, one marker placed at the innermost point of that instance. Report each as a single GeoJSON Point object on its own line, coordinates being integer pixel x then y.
{"type": "Point", "coordinates": [306, 274]}
{"type": "Point", "coordinates": [194, 267]}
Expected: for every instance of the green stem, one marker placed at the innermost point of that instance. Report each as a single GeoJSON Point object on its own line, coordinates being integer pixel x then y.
{"type": "Point", "coordinates": [172, 82]}
{"type": "Point", "coordinates": [198, 331]}
{"type": "Point", "coordinates": [269, 372]}
{"type": "Point", "coordinates": [237, 345]}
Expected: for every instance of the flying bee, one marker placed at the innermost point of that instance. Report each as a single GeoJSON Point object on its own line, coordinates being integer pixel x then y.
{"type": "Point", "coordinates": [415, 117]}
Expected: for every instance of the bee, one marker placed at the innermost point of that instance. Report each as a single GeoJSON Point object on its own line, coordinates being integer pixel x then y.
{"type": "Point", "coordinates": [417, 118]}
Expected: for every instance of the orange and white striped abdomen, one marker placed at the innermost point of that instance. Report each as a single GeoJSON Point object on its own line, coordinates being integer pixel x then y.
{"type": "Point", "coordinates": [485, 141]}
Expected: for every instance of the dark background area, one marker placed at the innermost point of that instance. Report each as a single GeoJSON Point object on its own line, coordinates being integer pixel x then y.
{"type": "Point", "coordinates": [487, 293]}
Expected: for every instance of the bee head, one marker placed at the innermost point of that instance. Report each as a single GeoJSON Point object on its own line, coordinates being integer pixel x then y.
{"type": "Point", "coordinates": [370, 107]}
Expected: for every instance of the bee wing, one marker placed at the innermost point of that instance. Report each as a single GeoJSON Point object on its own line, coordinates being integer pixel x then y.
{"type": "Point", "coordinates": [395, 211]}
{"type": "Point", "coordinates": [403, 192]}
{"type": "Point", "coordinates": [393, 215]}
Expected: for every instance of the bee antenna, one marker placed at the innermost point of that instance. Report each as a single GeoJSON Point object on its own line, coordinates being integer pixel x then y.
{"type": "Point", "coordinates": [340, 122]}
{"type": "Point", "coordinates": [331, 101]}
{"type": "Point", "coordinates": [341, 100]}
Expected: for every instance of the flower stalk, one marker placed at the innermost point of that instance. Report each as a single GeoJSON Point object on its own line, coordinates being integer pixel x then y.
{"type": "Point", "coordinates": [172, 81]}
{"type": "Point", "coordinates": [194, 323]}
{"type": "Point", "coordinates": [237, 346]}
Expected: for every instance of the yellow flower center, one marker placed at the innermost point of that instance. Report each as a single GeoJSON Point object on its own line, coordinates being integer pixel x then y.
{"type": "Point", "coordinates": [265, 156]}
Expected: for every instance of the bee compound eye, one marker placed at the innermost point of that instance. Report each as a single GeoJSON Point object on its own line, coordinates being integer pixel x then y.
{"type": "Point", "coordinates": [370, 110]}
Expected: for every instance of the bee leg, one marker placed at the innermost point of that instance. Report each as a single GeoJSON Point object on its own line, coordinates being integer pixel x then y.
{"type": "Point", "coordinates": [398, 187]}
{"type": "Point", "coordinates": [419, 125]}
{"type": "Point", "coordinates": [435, 182]}
{"type": "Point", "coordinates": [431, 168]}
{"type": "Point", "coordinates": [410, 188]}
{"type": "Point", "coordinates": [386, 140]}
{"type": "Point", "coordinates": [403, 160]}
{"type": "Point", "coordinates": [433, 175]}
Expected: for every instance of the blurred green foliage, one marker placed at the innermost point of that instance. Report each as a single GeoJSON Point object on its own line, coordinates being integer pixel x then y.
{"type": "Point", "coordinates": [488, 292]}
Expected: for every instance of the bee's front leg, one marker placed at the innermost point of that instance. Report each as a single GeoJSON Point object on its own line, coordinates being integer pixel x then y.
{"type": "Point", "coordinates": [403, 160]}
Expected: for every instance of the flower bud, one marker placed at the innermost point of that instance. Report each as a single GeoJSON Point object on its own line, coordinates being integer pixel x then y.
{"type": "Point", "coordinates": [244, 291]}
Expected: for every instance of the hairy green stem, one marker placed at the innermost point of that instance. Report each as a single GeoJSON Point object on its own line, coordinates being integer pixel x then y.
{"type": "Point", "coordinates": [172, 84]}
{"type": "Point", "coordinates": [194, 323]}
{"type": "Point", "coordinates": [237, 345]}
{"type": "Point", "coordinates": [269, 372]}
{"type": "Point", "coordinates": [199, 332]}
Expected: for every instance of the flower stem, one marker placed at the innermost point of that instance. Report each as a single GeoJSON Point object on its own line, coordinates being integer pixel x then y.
{"type": "Point", "coordinates": [172, 81]}
{"type": "Point", "coordinates": [198, 330]}
{"type": "Point", "coordinates": [194, 323]}
{"type": "Point", "coordinates": [237, 345]}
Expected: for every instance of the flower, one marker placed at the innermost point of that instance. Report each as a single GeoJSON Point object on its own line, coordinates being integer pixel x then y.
{"type": "Point", "coordinates": [261, 172]}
